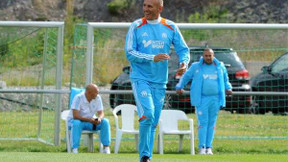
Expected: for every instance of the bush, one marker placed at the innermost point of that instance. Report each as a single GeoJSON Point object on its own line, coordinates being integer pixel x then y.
{"type": "Point", "coordinates": [117, 7]}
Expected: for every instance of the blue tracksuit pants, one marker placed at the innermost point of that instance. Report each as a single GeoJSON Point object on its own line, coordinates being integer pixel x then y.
{"type": "Point", "coordinates": [77, 126]}
{"type": "Point", "coordinates": [207, 114]}
{"type": "Point", "coordinates": [149, 99]}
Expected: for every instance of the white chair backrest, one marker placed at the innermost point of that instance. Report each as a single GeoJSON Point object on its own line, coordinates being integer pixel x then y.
{"type": "Point", "coordinates": [127, 113]}
{"type": "Point", "coordinates": [169, 119]}
{"type": "Point", "coordinates": [65, 114]}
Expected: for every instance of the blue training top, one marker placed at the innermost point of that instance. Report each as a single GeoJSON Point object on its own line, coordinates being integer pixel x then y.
{"type": "Point", "coordinates": [195, 73]}
{"type": "Point", "coordinates": [210, 80]}
{"type": "Point", "coordinates": [144, 40]}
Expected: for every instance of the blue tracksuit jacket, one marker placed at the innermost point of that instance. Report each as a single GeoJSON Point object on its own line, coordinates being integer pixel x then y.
{"type": "Point", "coordinates": [145, 40]}
{"type": "Point", "coordinates": [195, 73]}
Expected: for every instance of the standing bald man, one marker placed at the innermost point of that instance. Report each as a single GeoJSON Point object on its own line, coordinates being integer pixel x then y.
{"type": "Point", "coordinates": [83, 108]}
{"type": "Point", "coordinates": [210, 84]}
{"type": "Point", "coordinates": [148, 42]}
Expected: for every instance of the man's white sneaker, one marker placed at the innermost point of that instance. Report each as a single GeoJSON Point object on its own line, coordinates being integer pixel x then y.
{"type": "Point", "coordinates": [106, 150]}
{"type": "Point", "coordinates": [202, 151]}
{"type": "Point", "coordinates": [75, 150]}
{"type": "Point", "coordinates": [209, 151]}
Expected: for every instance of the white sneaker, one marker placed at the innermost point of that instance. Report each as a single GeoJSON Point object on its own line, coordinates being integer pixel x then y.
{"type": "Point", "coordinates": [106, 150]}
{"type": "Point", "coordinates": [202, 151]}
{"type": "Point", "coordinates": [75, 150]}
{"type": "Point", "coordinates": [209, 151]}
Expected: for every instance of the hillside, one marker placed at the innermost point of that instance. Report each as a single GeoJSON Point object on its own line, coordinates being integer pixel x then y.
{"type": "Point", "coordinates": [257, 11]}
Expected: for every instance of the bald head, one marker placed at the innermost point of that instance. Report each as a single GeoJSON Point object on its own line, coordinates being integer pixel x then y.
{"type": "Point", "coordinates": [91, 87]}
{"type": "Point", "coordinates": [152, 9]}
{"type": "Point", "coordinates": [91, 91]}
{"type": "Point", "coordinates": [208, 56]}
{"type": "Point", "coordinates": [160, 2]}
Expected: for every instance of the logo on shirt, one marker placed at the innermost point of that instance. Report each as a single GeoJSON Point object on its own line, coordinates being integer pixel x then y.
{"type": "Point", "coordinates": [144, 34]}
{"type": "Point", "coordinates": [157, 44]}
{"type": "Point", "coordinates": [164, 35]}
{"type": "Point", "coordinates": [154, 44]}
{"type": "Point", "coordinates": [144, 94]}
{"type": "Point", "coordinates": [210, 76]}
{"type": "Point", "coordinates": [146, 43]}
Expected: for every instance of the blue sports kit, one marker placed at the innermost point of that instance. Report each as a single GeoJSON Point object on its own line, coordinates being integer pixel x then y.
{"type": "Point", "coordinates": [207, 94]}
{"type": "Point", "coordinates": [144, 40]}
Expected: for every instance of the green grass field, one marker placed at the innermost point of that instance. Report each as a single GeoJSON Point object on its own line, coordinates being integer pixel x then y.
{"type": "Point", "coordinates": [55, 157]}
{"type": "Point", "coordinates": [238, 138]}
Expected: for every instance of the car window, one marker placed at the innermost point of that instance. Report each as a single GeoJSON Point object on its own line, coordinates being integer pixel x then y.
{"type": "Point", "coordinates": [230, 59]}
{"type": "Point", "coordinates": [280, 64]}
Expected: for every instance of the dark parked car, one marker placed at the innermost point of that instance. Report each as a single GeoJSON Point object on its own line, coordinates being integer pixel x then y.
{"type": "Point", "coordinates": [273, 78]}
{"type": "Point", "coordinates": [238, 75]}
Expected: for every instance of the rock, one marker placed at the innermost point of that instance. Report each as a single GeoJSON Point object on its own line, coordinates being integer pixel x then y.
{"type": "Point", "coordinates": [244, 11]}
{"type": "Point", "coordinates": [2, 84]}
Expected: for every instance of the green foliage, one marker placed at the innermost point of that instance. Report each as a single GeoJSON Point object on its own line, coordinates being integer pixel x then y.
{"type": "Point", "coordinates": [117, 7]}
{"type": "Point", "coordinates": [70, 24]}
{"type": "Point", "coordinates": [108, 63]}
{"type": "Point", "coordinates": [3, 50]}
{"type": "Point", "coordinates": [211, 14]}
{"type": "Point", "coordinates": [23, 53]}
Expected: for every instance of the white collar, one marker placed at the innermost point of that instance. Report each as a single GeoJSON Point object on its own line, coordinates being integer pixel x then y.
{"type": "Point", "coordinates": [156, 21]}
{"type": "Point", "coordinates": [85, 99]}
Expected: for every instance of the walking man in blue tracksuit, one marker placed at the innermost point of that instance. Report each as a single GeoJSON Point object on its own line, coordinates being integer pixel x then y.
{"type": "Point", "coordinates": [147, 46]}
{"type": "Point", "coordinates": [207, 92]}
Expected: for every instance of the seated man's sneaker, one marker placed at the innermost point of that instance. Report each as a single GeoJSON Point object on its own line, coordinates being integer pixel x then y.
{"type": "Point", "coordinates": [106, 150]}
{"type": "Point", "coordinates": [75, 150]}
{"type": "Point", "coordinates": [209, 151]}
{"type": "Point", "coordinates": [145, 159]}
{"type": "Point", "coordinates": [202, 151]}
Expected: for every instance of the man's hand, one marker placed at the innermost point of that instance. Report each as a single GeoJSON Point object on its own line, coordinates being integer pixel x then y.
{"type": "Point", "coordinates": [93, 121]}
{"type": "Point", "coordinates": [179, 91]}
{"type": "Point", "coordinates": [99, 120]}
{"type": "Point", "coordinates": [228, 92]}
{"type": "Point", "coordinates": [182, 69]}
{"type": "Point", "coordinates": [161, 57]}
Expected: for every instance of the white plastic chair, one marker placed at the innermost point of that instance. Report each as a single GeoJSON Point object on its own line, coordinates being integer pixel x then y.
{"type": "Point", "coordinates": [64, 115]}
{"type": "Point", "coordinates": [168, 124]}
{"type": "Point", "coordinates": [127, 113]}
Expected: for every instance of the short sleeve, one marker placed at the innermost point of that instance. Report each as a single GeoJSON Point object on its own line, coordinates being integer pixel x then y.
{"type": "Point", "coordinates": [76, 103]}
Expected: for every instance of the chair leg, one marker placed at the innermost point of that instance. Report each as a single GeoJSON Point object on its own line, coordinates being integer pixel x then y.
{"type": "Point", "coordinates": [137, 142]}
{"type": "Point", "coordinates": [158, 146]}
{"type": "Point", "coordinates": [90, 142]}
{"type": "Point", "coordinates": [117, 141]}
{"type": "Point", "coordinates": [180, 142]}
{"type": "Point", "coordinates": [68, 141]}
{"type": "Point", "coordinates": [161, 143]}
{"type": "Point", "coordinates": [192, 144]}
